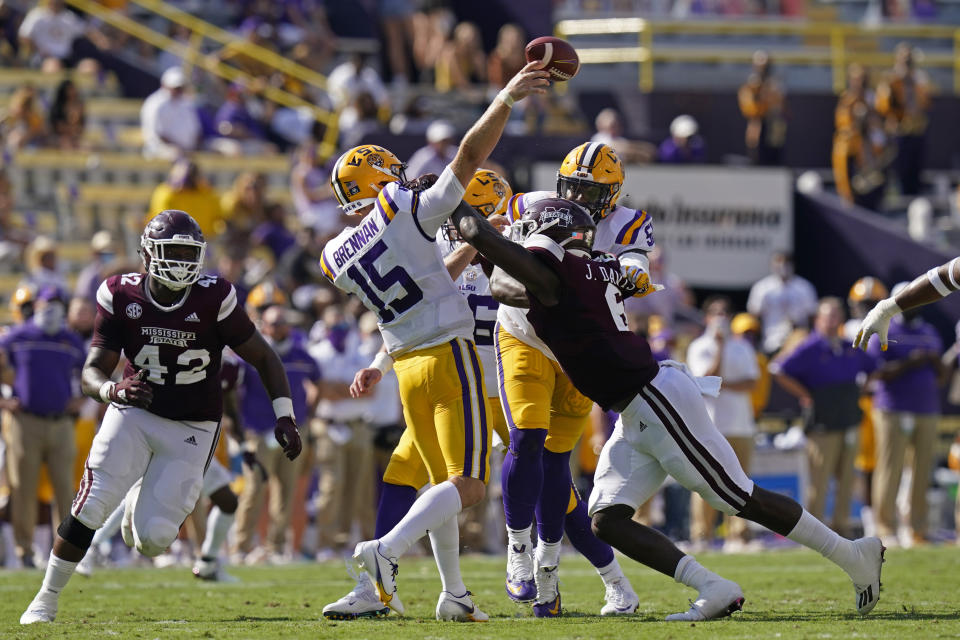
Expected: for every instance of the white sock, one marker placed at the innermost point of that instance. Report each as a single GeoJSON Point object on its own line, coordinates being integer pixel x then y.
{"type": "Point", "coordinates": [109, 528]}
{"type": "Point", "coordinates": [610, 573]}
{"type": "Point", "coordinates": [445, 540]}
{"type": "Point", "coordinates": [812, 533]}
{"type": "Point", "coordinates": [693, 574]}
{"type": "Point", "coordinates": [548, 553]}
{"type": "Point", "coordinates": [517, 538]}
{"type": "Point", "coordinates": [437, 504]}
{"type": "Point", "coordinates": [56, 578]}
{"type": "Point", "coordinates": [218, 525]}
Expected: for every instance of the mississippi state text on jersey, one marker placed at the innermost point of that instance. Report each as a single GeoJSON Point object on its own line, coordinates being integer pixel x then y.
{"type": "Point", "coordinates": [180, 346]}
{"type": "Point", "coordinates": [587, 329]}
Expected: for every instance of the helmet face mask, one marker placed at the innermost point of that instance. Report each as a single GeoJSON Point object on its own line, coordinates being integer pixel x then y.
{"type": "Point", "coordinates": [173, 249]}
{"type": "Point", "coordinates": [594, 196]}
{"type": "Point", "coordinates": [563, 221]}
{"type": "Point", "coordinates": [591, 175]}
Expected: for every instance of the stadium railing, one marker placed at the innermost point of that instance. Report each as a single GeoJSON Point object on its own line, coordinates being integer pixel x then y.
{"type": "Point", "coordinates": [192, 56]}
{"type": "Point", "coordinates": [831, 44]}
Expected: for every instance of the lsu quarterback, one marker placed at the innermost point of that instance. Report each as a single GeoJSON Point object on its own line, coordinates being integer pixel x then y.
{"type": "Point", "coordinates": [391, 261]}
{"type": "Point", "coordinates": [545, 412]}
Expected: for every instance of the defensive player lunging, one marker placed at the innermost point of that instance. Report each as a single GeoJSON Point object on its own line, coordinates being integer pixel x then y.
{"type": "Point", "coordinates": [576, 307]}
{"type": "Point", "coordinates": [163, 420]}
{"type": "Point", "coordinates": [390, 260]}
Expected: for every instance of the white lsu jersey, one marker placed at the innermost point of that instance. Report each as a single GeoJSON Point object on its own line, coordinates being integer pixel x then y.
{"type": "Point", "coordinates": [622, 230]}
{"type": "Point", "coordinates": [392, 263]}
{"type": "Point", "coordinates": [475, 288]}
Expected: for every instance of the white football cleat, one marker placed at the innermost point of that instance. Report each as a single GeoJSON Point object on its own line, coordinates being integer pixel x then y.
{"type": "Point", "coordinates": [459, 608]}
{"type": "Point", "coordinates": [866, 573]}
{"type": "Point", "coordinates": [547, 604]}
{"type": "Point", "coordinates": [362, 602]}
{"type": "Point", "coordinates": [212, 571]}
{"type": "Point", "coordinates": [621, 599]}
{"type": "Point", "coordinates": [520, 585]}
{"type": "Point", "coordinates": [39, 611]}
{"type": "Point", "coordinates": [382, 570]}
{"type": "Point", "coordinates": [717, 599]}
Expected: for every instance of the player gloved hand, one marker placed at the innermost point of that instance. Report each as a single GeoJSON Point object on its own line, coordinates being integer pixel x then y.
{"type": "Point", "coordinates": [641, 281]}
{"type": "Point", "coordinates": [250, 461]}
{"type": "Point", "coordinates": [876, 322]}
{"type": "Point", "coordinates": [422, 183]}
{"type": "Point", "coordinates": [288, 436]}
{"type": "Point", "coordinates": [133, 391]}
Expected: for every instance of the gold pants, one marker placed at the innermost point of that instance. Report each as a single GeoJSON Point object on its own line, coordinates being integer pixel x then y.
{"type": "Point", "coordinates": [831, 455]}
{"type": "Point", "coordinates": [282, 482]}
{"type": "Point", "coordinates": [703, 517]}
{"type": "Point", "coordinates": [31, 442]}
{"type": "Point", "coordinates": [892, 444]}
{"type": "Point", "coordinates": [345, 491]}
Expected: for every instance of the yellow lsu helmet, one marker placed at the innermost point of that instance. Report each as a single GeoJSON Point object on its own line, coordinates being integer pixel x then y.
{"type": "Point", "coordinates": [488, 192]}
{"type": "Point", "coordinates": [591, 175]}
{"type": "Point", "coordinates": [867, 289]}
{"type": "Point", "coordinates": [266, 294]}
{"type": "Point", "coordinates": [361, 173]}
{"type": "Point", "coordinates": [21, 303]}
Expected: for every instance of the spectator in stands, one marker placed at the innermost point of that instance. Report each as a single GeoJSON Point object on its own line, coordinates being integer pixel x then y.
{"type": "Point", "coordinates": [677, 302]}
{"type": "Point", "coordinates": [922, 225]}
{"type": "Point", "coordinates": [432, 26]}
{"type": "Point", "coordinates": [344, 439]}
{"type": "Point", "coordinates": [14, 238]}
{"type": "Point", "coordinates": [507, 57]}
{"type": "Point", "coordinates": [718, 353]}
{"type": "Point", "coordinates": [906, 409]}
{"type": "Point", "coordinates": [462, 62]}
{"type": "Point", "coordinates": [102, 253]}
{"type": "Point", "coordinates": [861, 155]}
{"type": "Point", "coordinates": [244, 205]}
{"type": "Point", "coordinates": [903, 98]}
{"type": "Point", "coordinates": [258, 419]}
{"type": "Point", "coordinates": [187, 190]}
{"type": "Point", "coordinates": [438, 153]}
{"type": "Point", "coordinates": [256, 33]}
{"type": "Point", "coordinates": [43, 265]}
{"type": "Point", "coordinates": [299, 269]}
{"type": "Point", "coordinates": [48, 32]}
{"type": "Point", "coordinates": [67, 116]}
{"type": "Point", "coordinates": [358, 120]}
{"type": "Point", "coordinates": [825, 374]}
{"type": "Point", "coordinates": [46, 359]}
{"type": "Point", "coordinates": [396, 21]}
{"type": "Point", "coordinates": [23, 123]}
{"type": "Point", "coordinates": [762, 104]}
{"type": "Point", "coordinates": [273, 233]}
{"type": "Point", "coordinates": [858, 92]}
{"type": "Point", "coordinates": [683, 146]}
{"type": "Point", "coordinates": [353, 77]}
{"type": "Point", "coordinates": [610, 127]}
{"type": "Point", "coordinates": [238, 131]}
{"type": "Point", "coordinates": [169, 120]}
{"type": "Point", "coordinates": [311, 192]}
{"type": "Point", "coordinates": [782, 300]}
{"type": "Point", "coordinates": [748, 327]}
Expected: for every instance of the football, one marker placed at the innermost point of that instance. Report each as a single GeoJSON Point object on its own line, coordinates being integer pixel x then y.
{"type": "Point", "coordinates": [559, 56]}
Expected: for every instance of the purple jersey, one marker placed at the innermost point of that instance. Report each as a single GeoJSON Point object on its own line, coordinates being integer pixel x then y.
{"type": "Point", "coordinates": [181, 348]}
{"type": "Point", "coordinates": [587, 328]}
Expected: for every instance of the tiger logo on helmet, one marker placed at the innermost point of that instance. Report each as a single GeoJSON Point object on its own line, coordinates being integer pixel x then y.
{"type": "Point", "coordinates": [591, 175]}
{"type": "Point", "coordinates": [361, 173]}
{"type": "Point", "coordinates": [488, 193]}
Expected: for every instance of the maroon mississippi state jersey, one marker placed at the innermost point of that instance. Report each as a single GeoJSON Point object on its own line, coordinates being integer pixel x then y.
{"type": "Point", "coordinates": [180, 348]}
{"type": "Point", "coordinates": [587, 329]}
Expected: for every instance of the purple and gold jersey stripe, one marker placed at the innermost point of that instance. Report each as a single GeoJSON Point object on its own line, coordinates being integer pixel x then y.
{"type": "Point", "coordinates": [388, 208]}
{"type": "Point", "coordinates": [628, 234]}
{"type": "Point", "coordinates": [327, 271]}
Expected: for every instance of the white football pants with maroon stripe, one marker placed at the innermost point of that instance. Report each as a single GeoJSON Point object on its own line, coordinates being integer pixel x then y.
{"type": "Point", "coordinates": [666, 430]}
{"type": "Point", "coordinates": [170, 456]}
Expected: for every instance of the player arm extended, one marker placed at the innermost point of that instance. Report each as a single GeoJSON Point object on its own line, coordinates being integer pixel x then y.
{"type": "Point", "coordinates": [521, 264]}
{"type": "Point", "coordinates": [934, 285]}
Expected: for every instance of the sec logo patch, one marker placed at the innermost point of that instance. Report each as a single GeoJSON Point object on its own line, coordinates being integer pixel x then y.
{"type": "Point", "coordinates": [134, 310]}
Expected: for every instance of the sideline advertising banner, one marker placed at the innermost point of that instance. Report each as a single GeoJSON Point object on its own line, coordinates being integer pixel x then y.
{"type": "Point", "coordinates": [717, 226]}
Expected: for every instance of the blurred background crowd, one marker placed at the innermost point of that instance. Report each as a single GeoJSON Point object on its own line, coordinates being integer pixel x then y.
{"type": "Point", "coordinates": [234, 110]}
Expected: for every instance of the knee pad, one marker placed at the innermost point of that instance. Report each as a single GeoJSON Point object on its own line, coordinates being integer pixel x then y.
{"type": "Point", "coordinates": [158, 534]}
{"type": "Point", "coordinates": [527, 443]}
{"type": "Point", "coordinates": [76, 533]}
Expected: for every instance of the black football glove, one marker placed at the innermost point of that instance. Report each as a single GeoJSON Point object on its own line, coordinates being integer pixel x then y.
{"type": "Point", "coordinates": [133, 391]}
{"type": "Point", "coordinates": [422, 183]}
{"type": "Point", "coordinates": [288, 436]}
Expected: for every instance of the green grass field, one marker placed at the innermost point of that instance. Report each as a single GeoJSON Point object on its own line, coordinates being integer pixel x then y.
{"type": "Point", "coordinates": [790, 594]}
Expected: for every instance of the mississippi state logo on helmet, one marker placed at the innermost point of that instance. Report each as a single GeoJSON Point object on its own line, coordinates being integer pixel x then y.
{"type": "Point", "coordinates": [172, 248]}
{"type": "Point", "coordinates": [563, 221]}
{"type": "Point", "coordinates": [591, 175]}
{"type": "Point", "coordinates": [361, 173]}
{"type": "Point", "coordinates": [487, 192]}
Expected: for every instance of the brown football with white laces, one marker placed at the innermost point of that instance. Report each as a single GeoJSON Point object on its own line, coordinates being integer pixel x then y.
{"type": "Point", "coordinates": [558, 55]}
